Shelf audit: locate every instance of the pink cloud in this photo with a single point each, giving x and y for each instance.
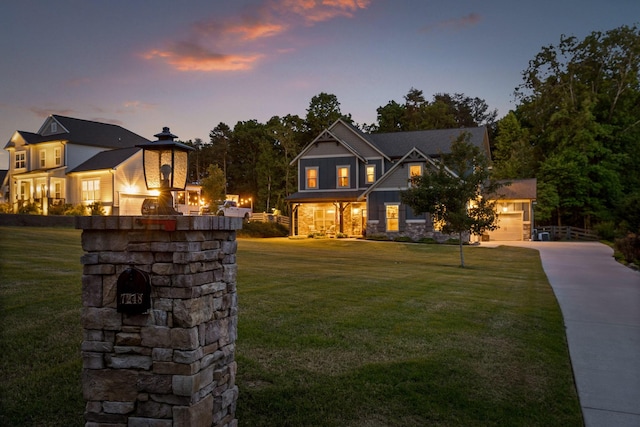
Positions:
(231, 45)
(457, 23)
(314, 11)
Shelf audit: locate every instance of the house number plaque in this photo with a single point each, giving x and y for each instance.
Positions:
(133, 292)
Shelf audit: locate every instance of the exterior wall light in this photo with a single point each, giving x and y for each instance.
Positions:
(165, 164)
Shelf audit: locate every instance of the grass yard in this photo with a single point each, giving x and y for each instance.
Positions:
(331, 333)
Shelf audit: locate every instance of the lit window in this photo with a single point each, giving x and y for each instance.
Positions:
(43, 158)
(57, 154)
(312, 177)
(20, 160)
(392, 217)
(90, 190)
(343, 176)
(57, 190)
(371, 174)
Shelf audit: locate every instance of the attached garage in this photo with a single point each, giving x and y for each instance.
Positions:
(131, 204)
(510, 227)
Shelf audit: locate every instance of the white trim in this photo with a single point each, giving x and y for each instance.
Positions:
(416, 221)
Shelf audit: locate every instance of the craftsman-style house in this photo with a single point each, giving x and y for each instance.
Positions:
(350, 182)
(71, 161)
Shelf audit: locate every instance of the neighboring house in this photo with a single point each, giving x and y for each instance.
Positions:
(350, 182)
(68, 162)
(72, 161)
(4, 186)
(515, 210)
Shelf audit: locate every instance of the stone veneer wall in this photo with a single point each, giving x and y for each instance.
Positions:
(174, 366)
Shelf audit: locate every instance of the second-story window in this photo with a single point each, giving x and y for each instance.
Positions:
(343, 176)
(43, 158)
(57, 154)
(311, 178)
(371, 174)
(21, 160)
(414, 171)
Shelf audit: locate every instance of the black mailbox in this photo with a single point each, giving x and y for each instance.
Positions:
(134, 292)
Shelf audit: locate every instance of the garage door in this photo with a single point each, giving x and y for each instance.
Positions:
(510, 227)
(131, 204)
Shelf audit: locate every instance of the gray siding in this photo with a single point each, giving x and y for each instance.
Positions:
(327, 149)
(327, 171)
(354, 141)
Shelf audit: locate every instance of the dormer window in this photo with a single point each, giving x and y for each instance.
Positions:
(54, 127)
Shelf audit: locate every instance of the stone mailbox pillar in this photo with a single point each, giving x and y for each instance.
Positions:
(166, 362)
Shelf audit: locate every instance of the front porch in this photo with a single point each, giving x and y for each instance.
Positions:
(331, 219)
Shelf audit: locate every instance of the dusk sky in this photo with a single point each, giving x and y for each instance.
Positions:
(190, 65)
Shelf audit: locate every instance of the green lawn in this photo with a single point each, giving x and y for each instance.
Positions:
(331, 333)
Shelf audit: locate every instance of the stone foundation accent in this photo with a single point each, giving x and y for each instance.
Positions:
(414, 230)
(175, 365)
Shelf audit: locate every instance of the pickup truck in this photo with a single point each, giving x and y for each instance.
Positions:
(230, 208)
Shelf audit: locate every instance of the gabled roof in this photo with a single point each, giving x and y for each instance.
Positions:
(106, 160)
(407, 157)
(29, 138)
(431, 142)
(326, 136)
(84, 132)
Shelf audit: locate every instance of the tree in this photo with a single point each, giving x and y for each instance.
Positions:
(513, 153)
(456, 192)
(213, 185)
(286, 135)
(324, 109)
(580, 102)
(219, 138)
(444, 112)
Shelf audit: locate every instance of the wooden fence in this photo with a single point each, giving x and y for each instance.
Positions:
(567, 233)
(265, 217)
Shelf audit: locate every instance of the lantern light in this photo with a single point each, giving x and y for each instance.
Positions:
(165, 163)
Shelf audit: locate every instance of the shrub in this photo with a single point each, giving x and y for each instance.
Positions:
(29, 208)
(629, 247)
(96, 208)
(77, 210)
(381, 237)
(59, 209)
(428, 240)
(263, 229)
(5, 208)
(606, 230)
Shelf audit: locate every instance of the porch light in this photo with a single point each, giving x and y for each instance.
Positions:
(165, 164)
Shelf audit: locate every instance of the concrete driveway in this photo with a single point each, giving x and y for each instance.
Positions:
(600, 303)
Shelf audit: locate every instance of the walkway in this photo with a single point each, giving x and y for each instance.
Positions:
(600, 303)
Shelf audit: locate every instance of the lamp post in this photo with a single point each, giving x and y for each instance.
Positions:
(165, 163)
